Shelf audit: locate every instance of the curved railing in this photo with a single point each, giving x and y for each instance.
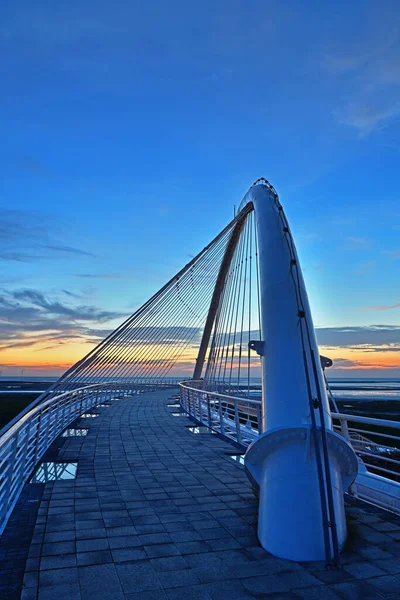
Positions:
(237, 418)
(375, 441)
(24, 443)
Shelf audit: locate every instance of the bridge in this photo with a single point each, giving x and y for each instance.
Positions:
(122, 482)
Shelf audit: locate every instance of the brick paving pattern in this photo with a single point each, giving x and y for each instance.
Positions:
(159, 513)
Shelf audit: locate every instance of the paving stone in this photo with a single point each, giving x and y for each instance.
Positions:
(316, 593)
(161, 550)
(185, 536)
(100, 583)
(152, 595)
(124, 541)
(58, 576)
(31, 579)
(363, 570)
(192, 547)
(138, 577)
(94, 533)
(180, 578)
(170, 563)
(357, 590)
(58, 562)
(389, 565)
(234, 590)
(92, 544)
(265, 584)
(26, 594)
(195, 592)
(128, 554)
(98, 557)
(388, 585)
(298, 579)
(66, 591)
(60, 536)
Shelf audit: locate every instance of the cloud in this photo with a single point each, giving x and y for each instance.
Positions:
(356, 243)
(17, 257)
(371, 74)
(27, 236)
(72, 294)
(348, 364)
(100, 275)
(382, 308)
(394, 254)
(28, 318)
(68, 249)
(347, 62)
(79, 313)
(366, 117)
(367, 336)
(365, 268)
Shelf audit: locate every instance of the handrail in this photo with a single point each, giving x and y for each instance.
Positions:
(368, 420)
(239, 419)
(53, 394)
(255, 402)
(39, 408)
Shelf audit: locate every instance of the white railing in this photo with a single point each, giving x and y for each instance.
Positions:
(237, 418)
(25, 441)
(375, 441)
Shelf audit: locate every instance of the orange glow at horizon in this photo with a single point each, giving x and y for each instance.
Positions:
(360, 359)
(54, 360)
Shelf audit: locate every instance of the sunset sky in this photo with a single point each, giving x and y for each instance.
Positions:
(131, 129)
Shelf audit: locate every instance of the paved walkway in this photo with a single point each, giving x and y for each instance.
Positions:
(159, 513)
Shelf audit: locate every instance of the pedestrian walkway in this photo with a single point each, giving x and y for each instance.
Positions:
(157, 512)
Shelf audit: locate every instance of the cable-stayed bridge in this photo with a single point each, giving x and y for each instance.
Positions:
(238, 312)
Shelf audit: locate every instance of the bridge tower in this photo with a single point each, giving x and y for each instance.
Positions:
(301, 466)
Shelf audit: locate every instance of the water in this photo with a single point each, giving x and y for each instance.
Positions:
(365, 390)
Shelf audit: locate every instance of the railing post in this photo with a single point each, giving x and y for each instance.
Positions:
(237, 422)
(209, 412)
(259, 419)
(221, 416)
(344, 429)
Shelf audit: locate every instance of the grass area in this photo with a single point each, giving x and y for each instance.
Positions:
(12, 404)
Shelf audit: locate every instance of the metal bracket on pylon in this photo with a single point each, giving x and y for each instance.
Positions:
(258, 346)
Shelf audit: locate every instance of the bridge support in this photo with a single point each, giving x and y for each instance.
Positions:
(300, 464)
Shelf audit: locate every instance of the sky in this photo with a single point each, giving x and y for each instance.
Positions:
(131, 129)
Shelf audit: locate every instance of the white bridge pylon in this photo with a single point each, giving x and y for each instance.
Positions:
(302, 467)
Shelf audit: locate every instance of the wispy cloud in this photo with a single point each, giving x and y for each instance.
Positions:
(383, 308)
(394, 254)
(27, 236)
(365, 268)
(68, 249)
(352, 336)
(372, 73)
(355, 364)
(29, 318)
(101, 275)
(366, 117)
(357, 243)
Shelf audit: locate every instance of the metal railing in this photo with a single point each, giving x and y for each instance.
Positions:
(237, 418)
(375, 441)
(27, 438)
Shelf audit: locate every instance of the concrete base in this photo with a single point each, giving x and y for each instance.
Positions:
(290, 519)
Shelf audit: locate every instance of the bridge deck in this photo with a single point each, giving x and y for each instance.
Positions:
(158, 513)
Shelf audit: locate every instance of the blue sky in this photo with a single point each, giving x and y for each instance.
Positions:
(131, 129)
